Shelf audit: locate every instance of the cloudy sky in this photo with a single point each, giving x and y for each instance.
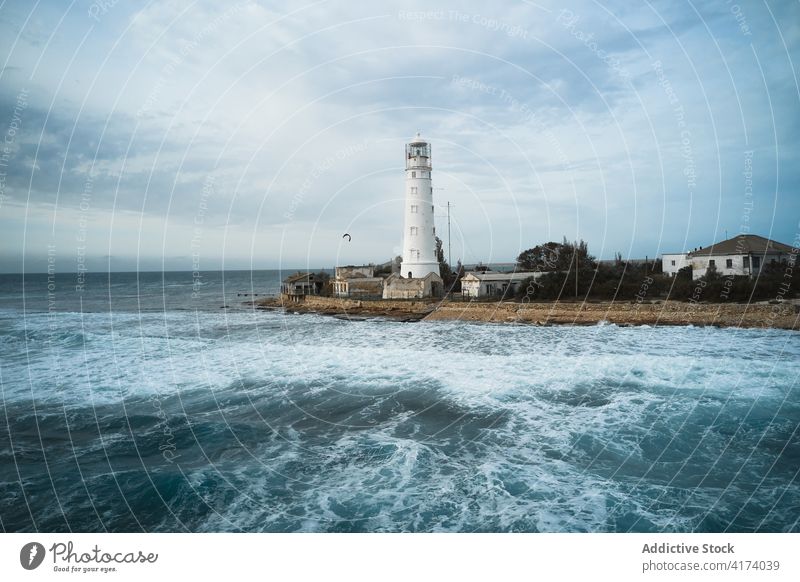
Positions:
(255, 133)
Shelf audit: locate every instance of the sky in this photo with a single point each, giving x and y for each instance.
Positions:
(235, 135)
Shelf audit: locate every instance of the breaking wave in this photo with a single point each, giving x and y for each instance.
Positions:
(256, 421)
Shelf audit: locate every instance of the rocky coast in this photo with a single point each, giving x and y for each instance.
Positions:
(784, 315)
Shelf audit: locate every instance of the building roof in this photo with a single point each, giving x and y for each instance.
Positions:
(743, 244)
(496, 267)
(361, 280)
(354, 272)
(493, 276)
(397, 276)
(298, 277)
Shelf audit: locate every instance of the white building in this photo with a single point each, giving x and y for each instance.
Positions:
(742, 255)
(492, 284)
(419, 234)
(671, 263)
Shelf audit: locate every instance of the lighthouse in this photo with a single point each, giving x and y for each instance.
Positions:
(419, 234)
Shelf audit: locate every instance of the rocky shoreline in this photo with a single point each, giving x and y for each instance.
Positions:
(785, 315)
(354, 309)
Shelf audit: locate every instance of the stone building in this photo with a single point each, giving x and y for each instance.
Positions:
(358, 282)
(493, 284)
(297, 286)
(397, 287)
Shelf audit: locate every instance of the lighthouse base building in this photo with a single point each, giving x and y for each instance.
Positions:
(397, 287)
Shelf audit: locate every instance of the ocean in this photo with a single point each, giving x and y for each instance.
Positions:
(157, 402)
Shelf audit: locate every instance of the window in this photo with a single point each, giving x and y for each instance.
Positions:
(431, 207)
(414, 231)
(756, 262)
(434, 231)
(413, 174)
(712, 263)
(414, 209)
(746, 262)
(673, 263)
(729, 263)
(413, 189)
(414, 254)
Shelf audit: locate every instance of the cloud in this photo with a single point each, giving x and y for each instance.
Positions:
(572, 119)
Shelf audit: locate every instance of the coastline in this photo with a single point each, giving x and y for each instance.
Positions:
(784, 315)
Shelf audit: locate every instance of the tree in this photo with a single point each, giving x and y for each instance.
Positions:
(540, 258)
(584, 258)
(528, 289)
(458, 273)
(685, 273)
(553, 256)
(450, 279)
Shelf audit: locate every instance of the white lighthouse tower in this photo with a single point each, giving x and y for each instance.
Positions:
(419, 236)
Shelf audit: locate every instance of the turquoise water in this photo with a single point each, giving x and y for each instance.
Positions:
(159, 414)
